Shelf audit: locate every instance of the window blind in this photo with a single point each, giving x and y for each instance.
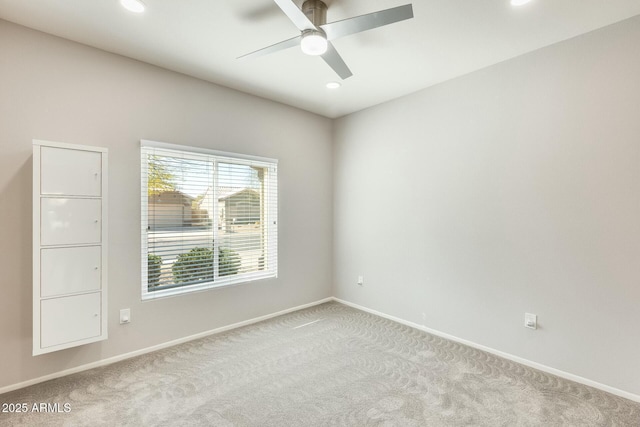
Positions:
(209, 219)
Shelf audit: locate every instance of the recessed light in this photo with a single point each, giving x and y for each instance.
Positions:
(519, 2)
(136, 6)
(333, 85)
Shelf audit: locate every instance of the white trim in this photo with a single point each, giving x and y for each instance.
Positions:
(522, 361)
(146, 350)
(39, 142)
(104, 268)
(241, 279)
(182, 148)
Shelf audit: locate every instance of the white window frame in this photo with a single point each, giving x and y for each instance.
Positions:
(271, 218)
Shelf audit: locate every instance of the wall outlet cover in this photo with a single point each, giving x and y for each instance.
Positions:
(125, 316)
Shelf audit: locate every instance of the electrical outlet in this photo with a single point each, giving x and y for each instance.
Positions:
(424, 318)
(530, 321)
(125, 316)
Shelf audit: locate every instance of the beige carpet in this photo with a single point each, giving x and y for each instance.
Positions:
(347, 368)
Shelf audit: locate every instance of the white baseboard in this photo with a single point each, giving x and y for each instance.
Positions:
(531, 364)
(535, 365)
(146, 350)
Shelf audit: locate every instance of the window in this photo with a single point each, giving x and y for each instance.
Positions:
(209, 219)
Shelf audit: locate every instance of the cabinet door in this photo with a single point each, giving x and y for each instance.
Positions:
(67, 319)
(70, 172)
(70, 221)
(70, 270)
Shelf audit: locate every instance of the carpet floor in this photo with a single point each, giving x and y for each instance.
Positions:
(328, 365)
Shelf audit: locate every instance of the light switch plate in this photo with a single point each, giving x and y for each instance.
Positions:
(530, 321)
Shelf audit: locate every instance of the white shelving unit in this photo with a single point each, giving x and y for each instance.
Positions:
(69, 245)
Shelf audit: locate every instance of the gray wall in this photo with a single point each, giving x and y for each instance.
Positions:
(512, 189)
(57, 90)
(515, 188)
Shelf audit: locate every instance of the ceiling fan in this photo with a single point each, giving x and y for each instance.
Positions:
(316, 34)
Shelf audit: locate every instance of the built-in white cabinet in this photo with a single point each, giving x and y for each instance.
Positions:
(65, 221)
(69, 245)
(70, 320)
(86, 179)
(70, 270)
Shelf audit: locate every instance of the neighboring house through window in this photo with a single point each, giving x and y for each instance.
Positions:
(209, 219)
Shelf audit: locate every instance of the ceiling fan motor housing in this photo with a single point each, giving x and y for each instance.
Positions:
(316, 11)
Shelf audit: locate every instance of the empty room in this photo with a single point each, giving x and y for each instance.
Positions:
(310, 213)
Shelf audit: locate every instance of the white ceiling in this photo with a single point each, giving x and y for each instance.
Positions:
(203, 38)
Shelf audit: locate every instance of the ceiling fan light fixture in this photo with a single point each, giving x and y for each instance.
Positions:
(519, 2)
(135, 6)
(313, 42)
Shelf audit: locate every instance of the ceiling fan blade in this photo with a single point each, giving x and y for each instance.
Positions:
(334, 60)
(285, 44)
(296, 15)
(367, 22)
